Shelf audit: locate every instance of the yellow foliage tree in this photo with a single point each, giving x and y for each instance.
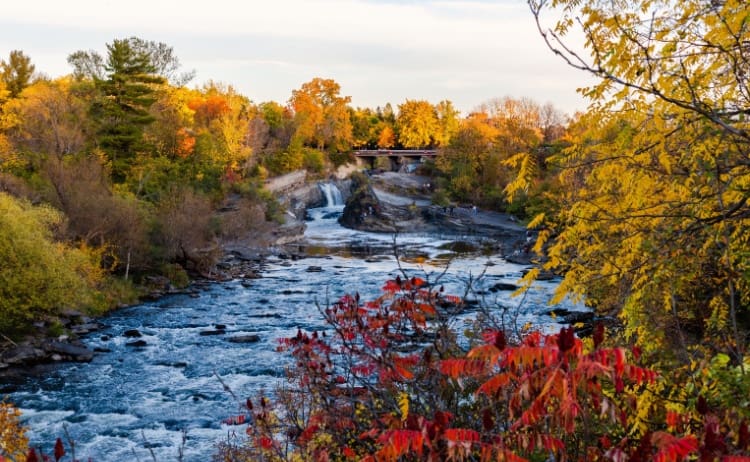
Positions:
(417, 124)
(51, 118)
(655, 213)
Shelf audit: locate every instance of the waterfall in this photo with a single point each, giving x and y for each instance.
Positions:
(332, 194)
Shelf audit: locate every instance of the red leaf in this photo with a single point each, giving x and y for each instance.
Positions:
(392, 286)
(59, 450)
(31, 456)
(461, 435)
(673, 449)
(265, 442)
(598, 334)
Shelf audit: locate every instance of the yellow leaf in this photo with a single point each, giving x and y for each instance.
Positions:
(403, 405)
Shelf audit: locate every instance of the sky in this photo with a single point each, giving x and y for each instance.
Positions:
(378, 51)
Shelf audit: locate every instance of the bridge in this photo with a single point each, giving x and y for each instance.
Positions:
(397, 157)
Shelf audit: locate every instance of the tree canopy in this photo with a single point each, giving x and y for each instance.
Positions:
(655, 213)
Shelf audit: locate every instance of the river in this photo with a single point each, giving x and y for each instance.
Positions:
(130, 401)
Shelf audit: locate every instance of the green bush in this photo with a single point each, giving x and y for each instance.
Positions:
(313, 160)
(39, 275)
(176, 274)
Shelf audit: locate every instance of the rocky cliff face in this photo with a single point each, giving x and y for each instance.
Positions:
(363, 209)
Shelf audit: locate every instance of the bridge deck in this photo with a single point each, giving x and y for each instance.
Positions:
(395, 153)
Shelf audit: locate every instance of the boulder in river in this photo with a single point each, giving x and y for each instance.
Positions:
(206, 333)
(501, 286)
(250, 338)
(137, 344)
(76, 352)
(82, 329)
(132, 333)
(22, 354)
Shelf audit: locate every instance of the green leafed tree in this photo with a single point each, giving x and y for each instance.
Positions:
(127, 92)
(17, 72)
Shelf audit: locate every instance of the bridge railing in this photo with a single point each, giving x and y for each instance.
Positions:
(395, 152)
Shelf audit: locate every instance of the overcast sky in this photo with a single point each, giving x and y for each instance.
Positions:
(378, 51)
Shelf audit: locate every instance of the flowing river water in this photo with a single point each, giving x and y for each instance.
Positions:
(129, 402)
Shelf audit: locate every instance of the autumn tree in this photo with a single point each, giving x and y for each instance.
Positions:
(417, 124)
(79, 186)
(270, 128)
(321, 115)
(50, 118)
(471, 162)
(221, 125)
(183, 230)
(364, 121)
(17, 72)
(448, 122)
(171, 134)
(386, 136)
(655, 216)
(503, 137)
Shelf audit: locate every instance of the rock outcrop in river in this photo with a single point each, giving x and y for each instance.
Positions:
(399, 210)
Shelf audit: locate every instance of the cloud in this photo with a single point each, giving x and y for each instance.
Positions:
(377, 50)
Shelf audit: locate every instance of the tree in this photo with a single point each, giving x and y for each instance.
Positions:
(172, 133)
(40, 276)
(448, 122)
(321, 115)
(222, 119)
(183, 230)
(653, 223)
(95, 215)
(122, 112)
(471, 161)
(17, 72)
(386, 136)
(87, 65)
(90, 64)
(417, 124)
(51, 118)
(552, 123)
(364, 123)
